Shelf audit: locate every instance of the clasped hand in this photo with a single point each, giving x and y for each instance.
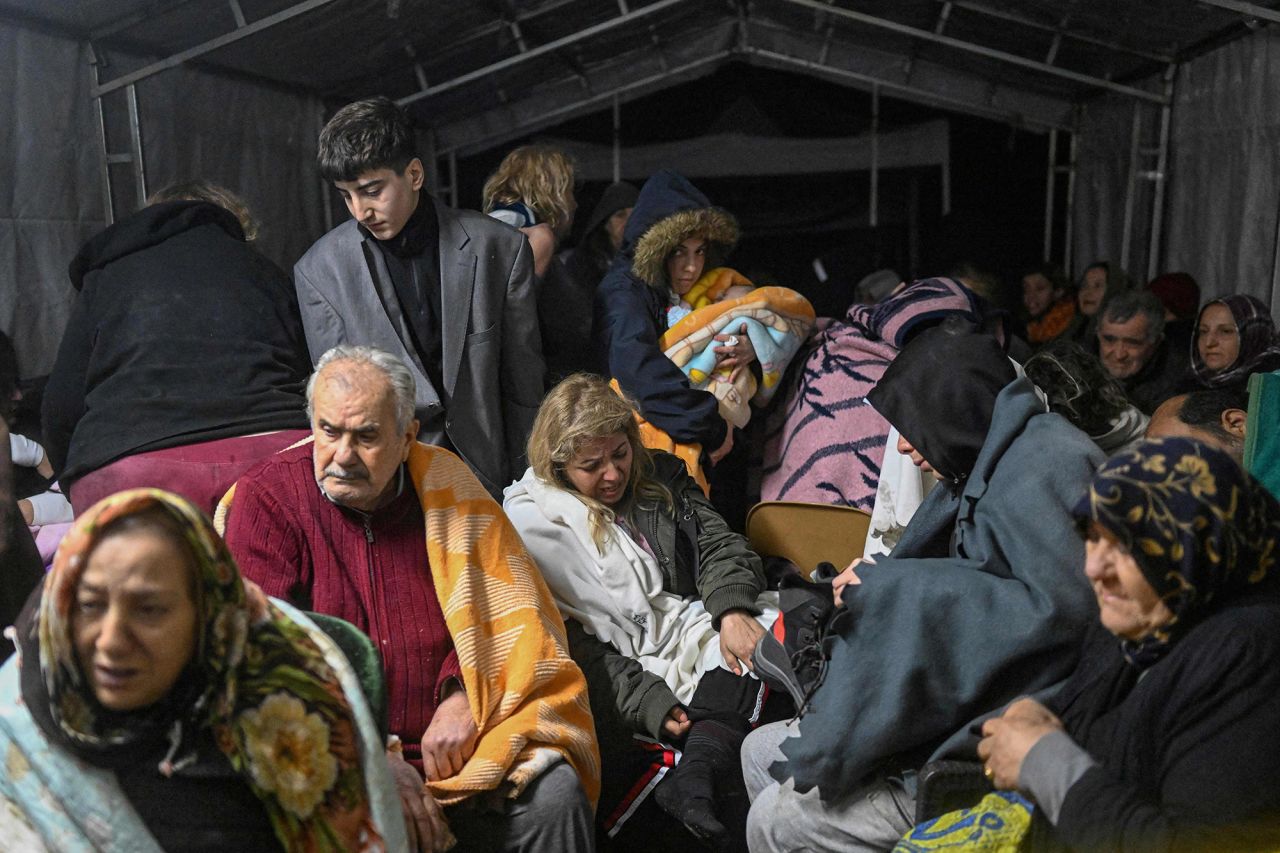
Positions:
(1008, 738)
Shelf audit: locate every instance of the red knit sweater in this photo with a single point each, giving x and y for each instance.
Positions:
(372, 572)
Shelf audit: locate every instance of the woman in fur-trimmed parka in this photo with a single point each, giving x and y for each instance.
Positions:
(632, 301)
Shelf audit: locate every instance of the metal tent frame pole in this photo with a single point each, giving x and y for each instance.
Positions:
(1161, 176)
(1131, 185)
(970, 47)
(1050, 179)
(617, 138)
(873, 214)
(241, 31)
(133, 157)
(540, 50)
(1069, 247)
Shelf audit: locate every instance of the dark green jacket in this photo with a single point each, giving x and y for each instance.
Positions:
(624, 697)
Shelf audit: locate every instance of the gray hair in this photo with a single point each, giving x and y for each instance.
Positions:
(1124, 306)
(403, 388)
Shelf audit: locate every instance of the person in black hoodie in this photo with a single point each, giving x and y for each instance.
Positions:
(631, 311)
(183, 347)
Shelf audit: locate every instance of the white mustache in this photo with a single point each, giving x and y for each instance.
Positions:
(340, 473)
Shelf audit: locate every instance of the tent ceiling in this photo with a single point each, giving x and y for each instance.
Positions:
(482, 71)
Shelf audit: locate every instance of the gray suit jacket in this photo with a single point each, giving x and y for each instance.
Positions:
(493, 368)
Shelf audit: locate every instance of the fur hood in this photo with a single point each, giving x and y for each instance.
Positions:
(668, 210)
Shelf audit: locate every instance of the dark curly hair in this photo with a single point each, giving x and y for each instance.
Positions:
(1077, 385)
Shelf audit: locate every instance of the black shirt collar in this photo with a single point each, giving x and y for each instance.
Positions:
(416, 233)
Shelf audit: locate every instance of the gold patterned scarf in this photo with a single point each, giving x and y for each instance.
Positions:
(257, 681)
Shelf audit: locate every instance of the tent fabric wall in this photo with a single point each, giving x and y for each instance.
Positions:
(256, 140)
(1224, 201)
(50, 193)
(1222, 207)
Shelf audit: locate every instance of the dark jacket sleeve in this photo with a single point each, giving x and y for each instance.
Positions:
(64, 393)
(1211, 765)
(630, 344)
(19, 559)
(523, 368)
(621, 690)
(730, 574)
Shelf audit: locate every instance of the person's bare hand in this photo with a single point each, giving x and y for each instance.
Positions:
(738, 354)
(27, 510)
(846, 578)
(1008, 738)
(723, 450)
(450, 737)
(739, 633)
(424, 819)
(676, 724)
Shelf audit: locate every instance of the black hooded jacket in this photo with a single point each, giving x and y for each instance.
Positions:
(630, 307)
(181, 333)
(940, 393)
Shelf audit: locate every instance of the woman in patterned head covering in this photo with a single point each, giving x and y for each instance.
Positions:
(163, 705)
(1234, 337)
(1167, 736)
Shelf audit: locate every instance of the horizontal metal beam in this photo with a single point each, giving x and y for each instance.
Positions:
(980, 50)
(1015, 18)
(207, 47)
(908, 92)
(549, 47)
(547, 118)
(1251, 10)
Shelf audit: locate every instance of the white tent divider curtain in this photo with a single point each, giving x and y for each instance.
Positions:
(1222, 204)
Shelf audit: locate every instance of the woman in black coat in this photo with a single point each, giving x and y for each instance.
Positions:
(184, 346)
(1167, 736)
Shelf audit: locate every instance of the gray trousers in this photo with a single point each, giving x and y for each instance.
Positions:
(873, 817)
(549, 816)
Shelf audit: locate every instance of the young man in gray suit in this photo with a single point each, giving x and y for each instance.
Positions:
(448, 291)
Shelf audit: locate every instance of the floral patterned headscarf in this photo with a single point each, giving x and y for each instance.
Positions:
(257, 680)
(1259, 345)
(1201, 529)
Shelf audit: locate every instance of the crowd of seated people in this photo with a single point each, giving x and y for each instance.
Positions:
(343, 563)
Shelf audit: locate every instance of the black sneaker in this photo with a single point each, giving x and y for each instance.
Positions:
(772, 665)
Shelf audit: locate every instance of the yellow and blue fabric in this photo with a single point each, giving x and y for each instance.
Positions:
(995, 825)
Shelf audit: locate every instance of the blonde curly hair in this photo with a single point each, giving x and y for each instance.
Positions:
(542, 177)
(581, 409)
(208, 191)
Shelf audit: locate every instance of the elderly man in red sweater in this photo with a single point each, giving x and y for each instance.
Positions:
(336, 525)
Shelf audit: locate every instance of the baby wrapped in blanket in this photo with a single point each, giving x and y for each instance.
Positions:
(776, 319)
(724, 304)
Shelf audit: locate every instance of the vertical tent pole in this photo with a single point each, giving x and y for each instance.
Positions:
(1050, 180)
(617, 138)
(325, 197)
(453, 178)
(135, 139)
(1131, 186)
(108, 204)
(873, 215)
(1069, 248)
(1161, 175)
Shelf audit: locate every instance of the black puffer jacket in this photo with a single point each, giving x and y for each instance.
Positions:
(630, 307)
(182, 333)
(719, 568)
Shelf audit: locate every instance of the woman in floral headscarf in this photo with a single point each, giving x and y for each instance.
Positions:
(1234, 337)
(158, 704)
(1168, 739)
